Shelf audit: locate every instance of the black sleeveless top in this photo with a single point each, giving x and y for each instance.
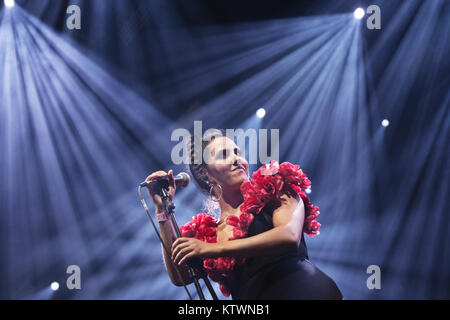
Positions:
(289, 275)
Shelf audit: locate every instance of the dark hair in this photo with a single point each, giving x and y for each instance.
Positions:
(200, 171)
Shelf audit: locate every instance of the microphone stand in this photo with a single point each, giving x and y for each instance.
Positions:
(195, 268)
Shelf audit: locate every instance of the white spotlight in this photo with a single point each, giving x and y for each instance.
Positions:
(385, 123)
(261, 113)
(359, 13)
(9, 3)
(54, 286)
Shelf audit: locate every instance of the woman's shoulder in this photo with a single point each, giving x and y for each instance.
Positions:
(271, 183)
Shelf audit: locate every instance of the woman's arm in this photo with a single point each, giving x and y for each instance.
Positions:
(286, 235)
(167, 230)
(169, 236)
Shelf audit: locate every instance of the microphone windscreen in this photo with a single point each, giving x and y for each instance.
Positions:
(184, 180)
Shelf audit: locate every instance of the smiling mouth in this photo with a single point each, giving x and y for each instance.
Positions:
(240, 168)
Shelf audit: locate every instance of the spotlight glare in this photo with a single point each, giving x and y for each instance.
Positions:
(54, 286)
(358, 13)
(9, 3)
(385, 123)
(261, 113)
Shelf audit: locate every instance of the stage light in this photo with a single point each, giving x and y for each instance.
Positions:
(9, 3)
(261, 113)
(62, 71)
(385, 123)
(358, 13)
(54, 286)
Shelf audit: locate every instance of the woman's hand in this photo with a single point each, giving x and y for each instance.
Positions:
(153, 190)
(186, 248)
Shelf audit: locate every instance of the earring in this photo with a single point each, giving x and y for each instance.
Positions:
(210, 193)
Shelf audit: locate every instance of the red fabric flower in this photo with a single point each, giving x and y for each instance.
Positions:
(202, 227)
(238, 233)
(232, 221)
(253, 203)
(245, 219)
(270, 182)
(266, 187)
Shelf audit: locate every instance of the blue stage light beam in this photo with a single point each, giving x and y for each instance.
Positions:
(316, 82)
(74, 141)
(313, 77)
(9, 3)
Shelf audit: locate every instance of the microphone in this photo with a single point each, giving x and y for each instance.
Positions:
(181, 180)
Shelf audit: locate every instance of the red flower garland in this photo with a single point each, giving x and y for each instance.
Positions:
(270, 182)
(266, 187)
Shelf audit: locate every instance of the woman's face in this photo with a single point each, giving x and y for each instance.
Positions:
(225, 164)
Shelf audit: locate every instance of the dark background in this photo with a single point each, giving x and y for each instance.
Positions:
(399, 221)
